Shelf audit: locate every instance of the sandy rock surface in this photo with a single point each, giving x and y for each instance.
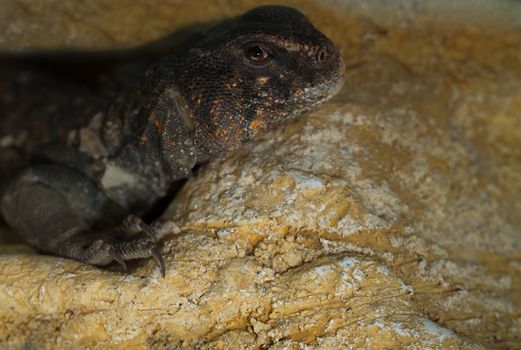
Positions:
(387, 218)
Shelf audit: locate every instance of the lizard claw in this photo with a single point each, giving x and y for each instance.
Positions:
(119, 259)
(156, 255)
(134, 225)
(149, 231)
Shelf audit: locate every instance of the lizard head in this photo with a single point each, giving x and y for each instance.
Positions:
(254, 73)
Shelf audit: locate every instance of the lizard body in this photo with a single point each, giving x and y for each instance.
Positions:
(84, 165)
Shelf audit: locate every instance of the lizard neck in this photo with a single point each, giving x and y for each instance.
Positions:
(152, 123)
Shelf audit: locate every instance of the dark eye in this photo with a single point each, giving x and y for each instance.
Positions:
(257, 54)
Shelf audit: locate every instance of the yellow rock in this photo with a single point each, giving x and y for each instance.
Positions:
(387, 219)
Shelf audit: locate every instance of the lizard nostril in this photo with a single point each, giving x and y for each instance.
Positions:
(321, 56)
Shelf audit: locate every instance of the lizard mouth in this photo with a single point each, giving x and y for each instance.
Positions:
(310, 98)
(320, 93)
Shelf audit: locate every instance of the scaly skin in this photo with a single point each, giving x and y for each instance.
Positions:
(86, 166)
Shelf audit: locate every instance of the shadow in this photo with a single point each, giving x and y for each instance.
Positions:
(88, 68)
(125, 65)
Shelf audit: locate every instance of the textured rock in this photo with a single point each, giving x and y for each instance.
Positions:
(388, 218)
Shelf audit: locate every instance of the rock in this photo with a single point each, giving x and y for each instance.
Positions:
(387, 218)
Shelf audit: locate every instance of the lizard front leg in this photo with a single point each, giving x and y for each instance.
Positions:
(55, 209)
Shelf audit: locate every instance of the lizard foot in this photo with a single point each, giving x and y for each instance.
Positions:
(140, 241)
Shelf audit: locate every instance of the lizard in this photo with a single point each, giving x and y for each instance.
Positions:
(88, 168)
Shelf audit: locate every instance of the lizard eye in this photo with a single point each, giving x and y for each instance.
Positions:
(256, 54)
